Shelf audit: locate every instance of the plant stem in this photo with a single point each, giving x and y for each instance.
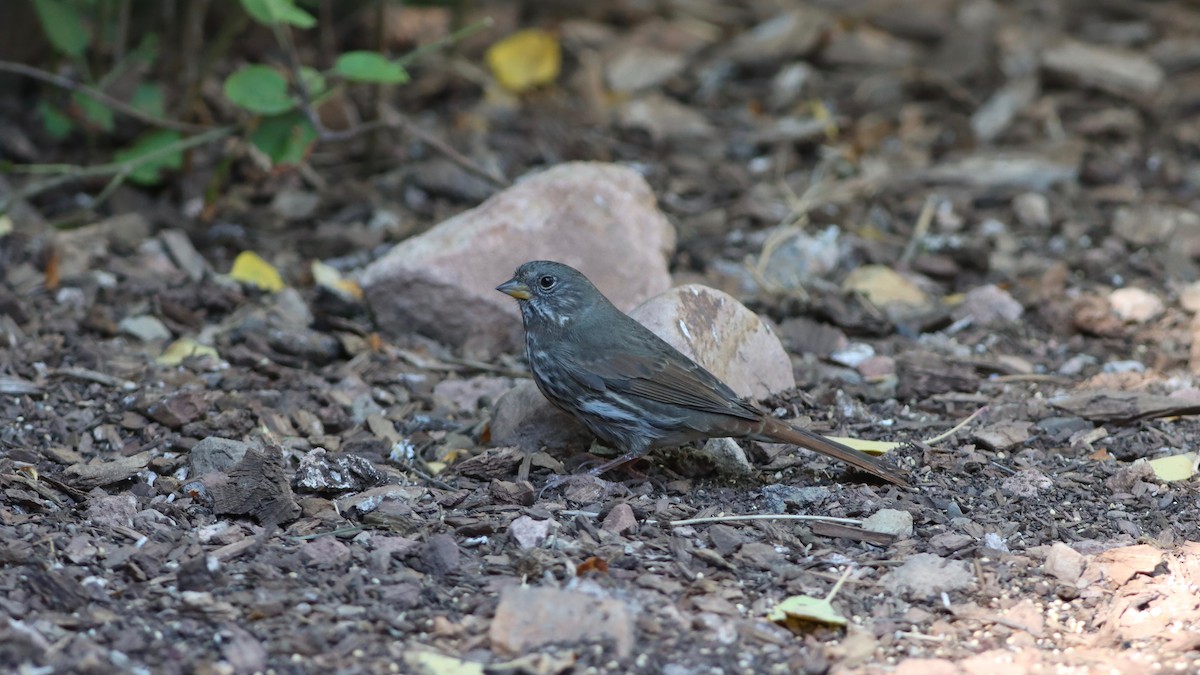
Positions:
(460, 34)
(119, 171)
(117, 105)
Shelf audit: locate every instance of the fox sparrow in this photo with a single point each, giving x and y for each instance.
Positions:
(627, 385)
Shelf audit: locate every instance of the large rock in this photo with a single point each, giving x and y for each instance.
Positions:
(715, 330)
(710, 327)
(599, 218)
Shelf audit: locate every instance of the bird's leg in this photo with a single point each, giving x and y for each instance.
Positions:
(614, 463)
(638, 449)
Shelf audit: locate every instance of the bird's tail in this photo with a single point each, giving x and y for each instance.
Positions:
(777, 430)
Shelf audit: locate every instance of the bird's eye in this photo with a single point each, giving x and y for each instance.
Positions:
(547, 282)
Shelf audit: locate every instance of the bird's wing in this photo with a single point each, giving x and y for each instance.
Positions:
(661, 379)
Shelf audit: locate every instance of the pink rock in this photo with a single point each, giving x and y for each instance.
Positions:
(721, 334)
(620, 519)
(599, 218)
(528, 618)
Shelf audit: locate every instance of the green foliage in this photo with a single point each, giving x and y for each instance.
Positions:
(259, 89)
(362, 66)
(272, 12)
(150, 99)
(64, 26)
(286, 138)
(157, 141)
(94, 111)
(281, 98)
(57, 124)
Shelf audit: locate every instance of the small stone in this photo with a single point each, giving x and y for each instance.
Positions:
(779, 497)
(949, 542)
(1189, 297)
(467, 396)
(1117, 71)
(853, 354)
(1134, 305)
(1064, 563)
(637, 67)
(112, 510)
(876, 367)
(1032, 209)
(439, 556)
(1147, 224)
(295, 204)
(786, 36)
(663, 118)
(325, 552)
(989, 305)
(803, 257)
(1003, 435)
(924, 574)
(890, 521)
(728, 456)
(529, 533)
(528, 618)
(620, 519)
(185, 255)
(1026, 484)
(145, 328)
(215, 454)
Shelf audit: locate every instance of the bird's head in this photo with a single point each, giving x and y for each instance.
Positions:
(550, 293)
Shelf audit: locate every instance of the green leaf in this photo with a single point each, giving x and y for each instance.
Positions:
(314, 81)
(271, 12)
(150, 172)
(259, 89)
(149, 98)
(286, 139)
(63, 26)
(364, 66)
(58, 125)
(146, 52)
(94, 111)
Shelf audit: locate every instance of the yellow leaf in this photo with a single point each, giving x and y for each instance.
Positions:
(183, 348)
(525, 59)
(329, 277)
(249, 268)
(796, 611)
(802, 608)
(430, 663)
(1175, 467)
(869, 447)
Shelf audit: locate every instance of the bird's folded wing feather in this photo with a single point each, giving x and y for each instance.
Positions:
(661, 380)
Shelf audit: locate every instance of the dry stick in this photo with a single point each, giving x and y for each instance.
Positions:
(919, 232)
(957, 427)
(116, 104)
(764, 516)
(118, 170)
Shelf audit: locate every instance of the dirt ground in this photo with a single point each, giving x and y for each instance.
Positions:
(1031, 168)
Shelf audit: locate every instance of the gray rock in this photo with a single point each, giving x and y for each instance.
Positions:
(215, 454)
